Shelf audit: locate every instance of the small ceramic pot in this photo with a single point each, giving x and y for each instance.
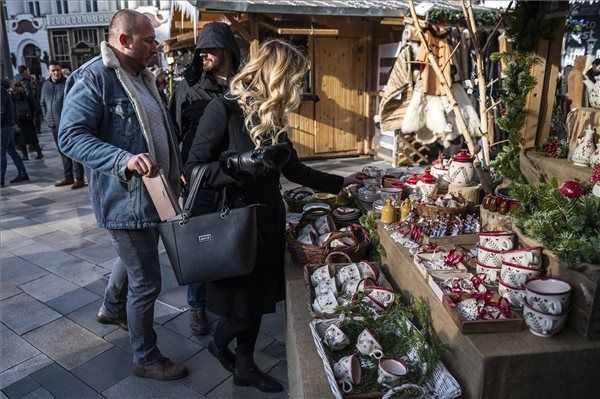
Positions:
(548, 295)
(543, 324)
(347, 372)
(491, 273)
(489, 257)
(526, 256)
(368, 270)
(498, 240)
(427, 184)
(516, 275)
(514, 295)
(460, 169)
(391, 371)
(335, 338)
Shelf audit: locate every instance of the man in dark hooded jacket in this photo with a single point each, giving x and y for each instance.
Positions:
(215, 61)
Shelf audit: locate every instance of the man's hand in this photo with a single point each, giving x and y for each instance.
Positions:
(355, 178)
(143, 165)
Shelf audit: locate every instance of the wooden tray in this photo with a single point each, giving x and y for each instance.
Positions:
(453, 241)
(483, 326)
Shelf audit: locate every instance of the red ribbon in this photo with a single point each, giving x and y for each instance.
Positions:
(453, 258)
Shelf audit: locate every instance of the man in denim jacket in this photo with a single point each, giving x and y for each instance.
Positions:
(114, 122)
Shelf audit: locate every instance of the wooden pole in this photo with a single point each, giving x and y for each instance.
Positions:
(483, 110)
(446, 89)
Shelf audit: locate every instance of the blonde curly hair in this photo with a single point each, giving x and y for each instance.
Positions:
(268, 88)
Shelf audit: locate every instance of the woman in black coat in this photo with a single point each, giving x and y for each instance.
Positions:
(242, 140)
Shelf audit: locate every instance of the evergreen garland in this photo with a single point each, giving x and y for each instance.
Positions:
(569, 227)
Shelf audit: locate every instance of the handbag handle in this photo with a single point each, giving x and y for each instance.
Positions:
(198, 174)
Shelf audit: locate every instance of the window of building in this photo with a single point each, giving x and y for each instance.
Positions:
(91, 5)
(34, 8)
(157, 4)
(62, 6)
(60, 49)
(121, 4)
(88, 36)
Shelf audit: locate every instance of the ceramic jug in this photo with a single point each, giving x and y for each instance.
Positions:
(585, 148)
(460, 169)
(427, 184)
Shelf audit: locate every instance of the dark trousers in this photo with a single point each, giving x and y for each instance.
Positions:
(7, 146)
(70, 167)
(244, 331)
(196, 296)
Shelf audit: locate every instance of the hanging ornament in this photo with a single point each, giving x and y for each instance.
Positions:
(571, 189)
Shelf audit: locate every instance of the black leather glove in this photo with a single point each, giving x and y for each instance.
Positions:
(277, 155)
(250, 162)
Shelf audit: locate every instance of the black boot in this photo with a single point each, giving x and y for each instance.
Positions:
(224, 356)
(199, 323)
(25, 155)
(247, 374)
(20, 178)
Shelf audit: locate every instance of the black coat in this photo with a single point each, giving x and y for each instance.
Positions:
(222, 129)
(51, 101)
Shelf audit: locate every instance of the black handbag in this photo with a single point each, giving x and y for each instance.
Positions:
(213, 246)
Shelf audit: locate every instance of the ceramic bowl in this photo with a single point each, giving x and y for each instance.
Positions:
(548, 295)
(543, 324)
(516, 275)
(498, 240)
(491, 273)
(524, 256)
(489, 257)
(514, 295)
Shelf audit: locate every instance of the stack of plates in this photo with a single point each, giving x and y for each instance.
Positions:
(368, 194)
(345, 216)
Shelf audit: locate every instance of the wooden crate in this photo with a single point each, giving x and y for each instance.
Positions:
(451, 241)
(483, 326)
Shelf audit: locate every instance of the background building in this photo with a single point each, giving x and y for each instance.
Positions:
(68, 31)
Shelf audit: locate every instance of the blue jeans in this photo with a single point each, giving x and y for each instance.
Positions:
(7, 146)
(138, 269)
(196, 296)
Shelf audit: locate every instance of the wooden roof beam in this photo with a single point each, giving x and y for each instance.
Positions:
(311, 31)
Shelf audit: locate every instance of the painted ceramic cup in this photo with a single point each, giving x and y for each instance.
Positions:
(320, 274)
(516, 275)
(347, 372)
(368, 271)
(524, 256)
(543, 324)
(514, 295)
(325, 303)
(498, 240)
(368, 345)
(383, 297)
(491, 273)
(468, 309)
(391, 370)
(335, 338)
(548, 295)
(489, 257)
(325, 286)
(349, 272)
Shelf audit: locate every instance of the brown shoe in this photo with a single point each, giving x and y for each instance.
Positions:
(63, 182)
(199, 323)
(163, 369)
(78, 184)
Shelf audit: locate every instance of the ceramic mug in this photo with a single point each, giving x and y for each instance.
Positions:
(524, 256)
(514, 295)
(516, 275)
(325, 303)
(368, 345)
(347, 372)
(498, 240)
(348, 272)
(489, 257)
(391, 370)
(368, 271)
(325, 286)
(335, 338)
(491, 273)
(320, 274)
(382, 296)
(542, 324)
(468, 309)
(548, 295)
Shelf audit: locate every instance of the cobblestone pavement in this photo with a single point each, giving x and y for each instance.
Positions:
(54, 264)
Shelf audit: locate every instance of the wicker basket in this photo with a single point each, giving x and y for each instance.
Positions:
(295, 205)
(431, 211)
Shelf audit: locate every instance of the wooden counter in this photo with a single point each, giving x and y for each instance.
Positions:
(503, 365)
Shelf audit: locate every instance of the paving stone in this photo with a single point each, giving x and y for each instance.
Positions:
(181, 324)
(86, 317)
(14, 270)
(206, 373)
(67, 343)
(40, 201)
(273, 324)
(12, 311)
(39, 393)
(24, 369)
(96, 253)
(3, 396)
(280, 371)
(7, 290)
(10, 239)
(176, 297)
(42, 255)
(77, 271)
(13, 349)
(276, 350)
(120, 338)
(62, 384)
(48, 287)
(142, 388)
(21, 388)
(228, 390)
(175, 346)
(164, 312)
(98, 286)
(97, 235)
(72, 301)
(105, 370)
(64, 241)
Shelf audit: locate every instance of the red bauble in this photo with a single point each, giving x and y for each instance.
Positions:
(571, 189)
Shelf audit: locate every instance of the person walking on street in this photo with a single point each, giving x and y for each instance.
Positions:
(114, 123)
(7, 139)
(242, 142)
(25, 110)
(51, 104)
(215, 61)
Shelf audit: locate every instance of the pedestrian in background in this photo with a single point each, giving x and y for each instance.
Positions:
(51, 104)
(25, 109)
(7, 139)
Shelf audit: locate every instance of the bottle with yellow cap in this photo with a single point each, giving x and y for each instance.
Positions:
(388, 213)
(405, 209)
